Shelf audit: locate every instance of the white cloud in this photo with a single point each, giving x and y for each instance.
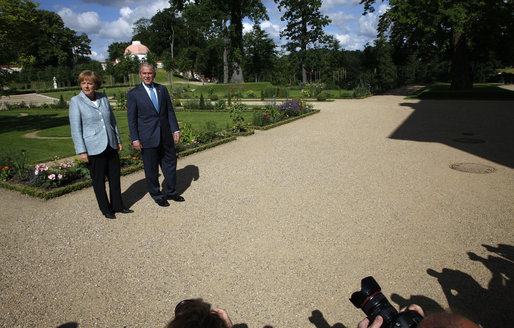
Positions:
(329, 4)
(247, 27)
(117, 3)
(88, 22)
(272, 29)
(351, 42)
(341, 19)
(369, 22)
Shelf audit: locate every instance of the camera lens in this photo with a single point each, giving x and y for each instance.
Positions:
(372, 302)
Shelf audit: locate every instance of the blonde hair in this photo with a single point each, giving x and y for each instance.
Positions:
(91, 76)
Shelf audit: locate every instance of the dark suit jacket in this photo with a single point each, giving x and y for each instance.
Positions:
(145, 124)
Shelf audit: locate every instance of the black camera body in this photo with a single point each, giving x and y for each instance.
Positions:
(371, 300)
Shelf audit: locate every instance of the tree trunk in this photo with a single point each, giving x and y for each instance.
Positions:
(172, 41)
(237, 73)
(461, 74)
(225, 63)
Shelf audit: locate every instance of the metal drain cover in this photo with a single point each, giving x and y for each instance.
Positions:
(472, 168)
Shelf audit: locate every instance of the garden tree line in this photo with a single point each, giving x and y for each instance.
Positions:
(439, 40)
(38, 41)
(38, 38)
(472, 37)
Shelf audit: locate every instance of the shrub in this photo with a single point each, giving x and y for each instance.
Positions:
(61, 103)
(52, 177)
(322, 96)
(121, 101)
(220, 105)
(213, 97)
(202, 101)
(14, 163)
(292, 107)
(237, 117)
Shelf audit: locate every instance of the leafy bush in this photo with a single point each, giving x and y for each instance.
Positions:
(237, 117)
(13, 163)
(292, 107)
(220, 105)
(121, 101)
(322, 96)
(53, 177)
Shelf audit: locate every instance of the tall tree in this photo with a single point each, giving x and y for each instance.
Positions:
(462, 30)
(259, 53)
(18, 21)
(116, 50)
(216, 14)
(304, 26)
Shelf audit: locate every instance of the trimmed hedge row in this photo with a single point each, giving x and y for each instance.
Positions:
(294, 118)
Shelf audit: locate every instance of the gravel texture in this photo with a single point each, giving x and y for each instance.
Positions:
(279, 227)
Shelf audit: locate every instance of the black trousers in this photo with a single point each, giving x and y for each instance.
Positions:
(106, 164)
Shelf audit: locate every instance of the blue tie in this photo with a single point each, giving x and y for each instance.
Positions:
(154, 99)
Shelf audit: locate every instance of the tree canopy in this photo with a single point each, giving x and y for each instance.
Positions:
(30, 36)
(466, 33)
(304, 26)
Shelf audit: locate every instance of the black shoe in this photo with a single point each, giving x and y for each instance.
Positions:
(176, 198)
(110, 215)
(162, 202)
(126, 211)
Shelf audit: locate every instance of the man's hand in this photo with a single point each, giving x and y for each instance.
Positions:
(176, 137)
(120, 147)
(137, 145)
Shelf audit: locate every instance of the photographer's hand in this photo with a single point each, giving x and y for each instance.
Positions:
(376, 323)
(224, 317)
(414, 307)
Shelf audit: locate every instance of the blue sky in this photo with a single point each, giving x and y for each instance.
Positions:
(108, 21)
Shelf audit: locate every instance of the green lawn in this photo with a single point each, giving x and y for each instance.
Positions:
(480, 91)
(55, 123)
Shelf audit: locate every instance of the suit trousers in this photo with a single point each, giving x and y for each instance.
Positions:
(165, 156)
(106, 164)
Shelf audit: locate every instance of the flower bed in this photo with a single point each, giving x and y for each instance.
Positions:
(48, 181)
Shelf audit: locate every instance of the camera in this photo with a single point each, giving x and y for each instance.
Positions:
(371, 300)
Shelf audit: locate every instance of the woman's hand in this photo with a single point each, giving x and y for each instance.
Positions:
(84, 158)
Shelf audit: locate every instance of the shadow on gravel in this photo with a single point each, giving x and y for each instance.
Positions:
(482, 128)
(319, 321)
(488, 307)
(138, 190)
(69, 325)
(185, 177)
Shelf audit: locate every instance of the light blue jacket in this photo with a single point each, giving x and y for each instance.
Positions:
(93, 128)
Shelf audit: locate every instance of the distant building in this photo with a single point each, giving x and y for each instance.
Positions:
(137, 49)
(10, 68)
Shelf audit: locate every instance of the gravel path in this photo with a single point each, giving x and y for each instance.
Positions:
(279, 227)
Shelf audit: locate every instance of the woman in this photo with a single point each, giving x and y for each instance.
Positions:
(97, 141)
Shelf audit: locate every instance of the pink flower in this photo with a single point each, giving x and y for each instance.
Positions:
(36, 172)
(59, 176)
(51, 176)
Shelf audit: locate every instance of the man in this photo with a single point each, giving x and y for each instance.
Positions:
(153, 130)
